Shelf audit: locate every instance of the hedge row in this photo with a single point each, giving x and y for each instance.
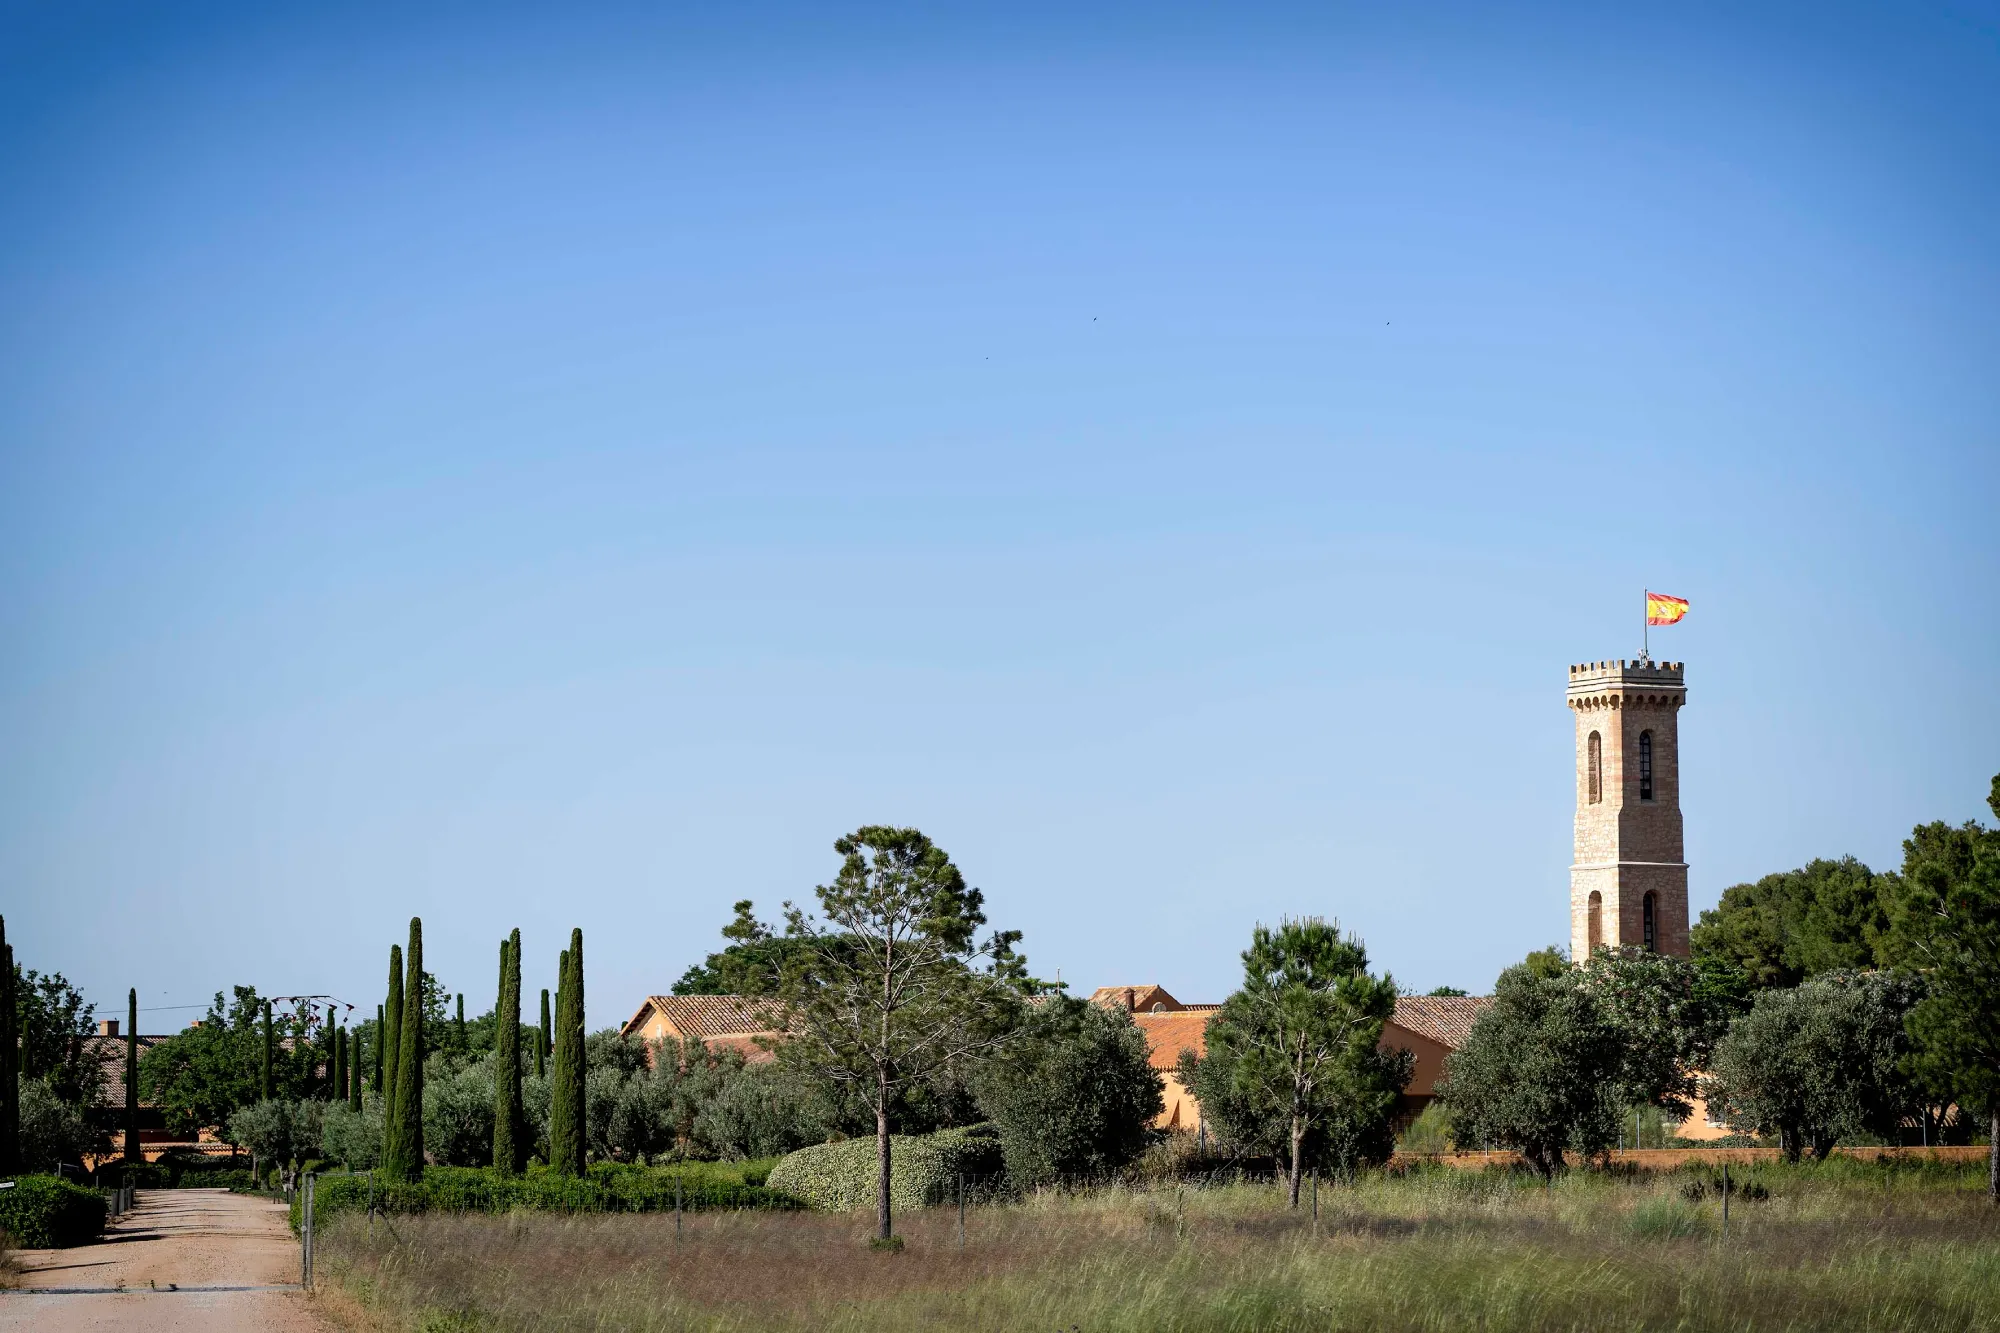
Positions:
(923, 1171)
(171, 1173)
(469, 1189)
(47, 1212)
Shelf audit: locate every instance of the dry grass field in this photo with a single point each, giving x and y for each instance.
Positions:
(1847, 1245)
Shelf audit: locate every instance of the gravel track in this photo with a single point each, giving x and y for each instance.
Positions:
(180, 1260)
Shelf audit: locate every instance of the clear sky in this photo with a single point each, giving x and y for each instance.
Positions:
(550, 469)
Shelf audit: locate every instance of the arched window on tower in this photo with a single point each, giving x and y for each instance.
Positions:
(1594, 929)
(1596, 766)
(1645, 765)
(1647, 915)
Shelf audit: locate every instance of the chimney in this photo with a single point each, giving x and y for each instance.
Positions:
(107, 1027)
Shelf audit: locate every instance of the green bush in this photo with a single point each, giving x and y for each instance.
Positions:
(139, 1175)
(923, 1171)
(606, 1189)
(46, 1212)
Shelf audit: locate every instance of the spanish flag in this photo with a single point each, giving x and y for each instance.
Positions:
(1664, 610)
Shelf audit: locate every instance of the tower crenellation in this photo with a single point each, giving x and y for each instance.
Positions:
(1628, 883)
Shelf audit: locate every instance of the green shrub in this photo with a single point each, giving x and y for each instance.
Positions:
(608, 1188)
(139, 1175)
(46, 1212)
(236, 1178)
(834, 1177)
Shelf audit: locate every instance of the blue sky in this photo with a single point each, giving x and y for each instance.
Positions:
(535, 469)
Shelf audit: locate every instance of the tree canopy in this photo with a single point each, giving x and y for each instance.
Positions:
(1816, 1062)
(1668, 1023)
(53, 1018)
(1826, 916)
(1294, 1061)
(1947, 925)
(199, 1077)
(1074, 1095)
(1541, 1070)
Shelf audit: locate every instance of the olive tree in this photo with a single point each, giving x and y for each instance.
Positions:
(1818, 1062)
(1074, 1096)
(1540, 1071)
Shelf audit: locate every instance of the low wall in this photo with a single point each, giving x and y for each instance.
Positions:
(1666, 1159)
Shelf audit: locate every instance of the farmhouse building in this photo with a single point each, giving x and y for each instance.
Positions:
(718, 1022)
(1429, 1027)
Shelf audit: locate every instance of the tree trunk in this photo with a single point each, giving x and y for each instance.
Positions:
(1298, 1144)
(882, 1156)
(1993, 1155)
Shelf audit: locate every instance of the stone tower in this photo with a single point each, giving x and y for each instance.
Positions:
(1629, 884)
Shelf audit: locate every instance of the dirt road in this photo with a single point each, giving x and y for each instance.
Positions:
(180, 1260)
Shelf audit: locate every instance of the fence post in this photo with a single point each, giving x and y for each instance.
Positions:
(961, 1208)
(1315, 1179)
(306, 1230)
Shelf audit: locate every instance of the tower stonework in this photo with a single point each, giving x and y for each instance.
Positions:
(1628, 884)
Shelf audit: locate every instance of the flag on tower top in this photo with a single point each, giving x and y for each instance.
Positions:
(1664, 610)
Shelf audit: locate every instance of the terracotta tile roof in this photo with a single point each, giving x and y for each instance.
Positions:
(1171, 1033)
(110, 1053)
(705, 1016)
(1445, 1019)
(1136, 999)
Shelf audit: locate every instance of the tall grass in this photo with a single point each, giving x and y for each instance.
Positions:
(1852, 1246)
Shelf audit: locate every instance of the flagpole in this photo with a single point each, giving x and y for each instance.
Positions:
(1645, 629)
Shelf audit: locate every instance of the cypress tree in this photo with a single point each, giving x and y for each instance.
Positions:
(403, 1153)
(566, 1111)
(379, 1029)
(558, 1104)
(10, 1061)
(458, 1026)
(509, 1124)
(337, 1067)
(392, 1032)
(132, 1076)
(269, 1046)
(542, 1038)
(354, 1072)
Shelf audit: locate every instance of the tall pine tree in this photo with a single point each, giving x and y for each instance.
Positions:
(403, 1129)
(566, 1111)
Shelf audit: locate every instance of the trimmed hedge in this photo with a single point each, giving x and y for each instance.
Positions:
(923, 1171)
(47, 1212)
(471, 1189)
(173, 1172)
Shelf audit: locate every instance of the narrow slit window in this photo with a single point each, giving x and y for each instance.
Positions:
(1594, 929)
(1645, 765)
(1596, 767)
(1647, 914)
